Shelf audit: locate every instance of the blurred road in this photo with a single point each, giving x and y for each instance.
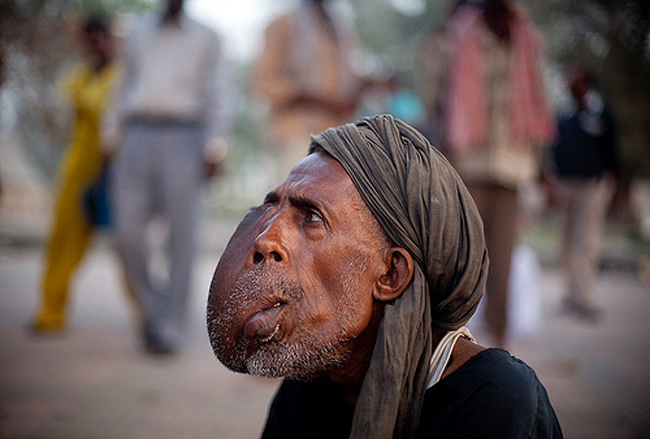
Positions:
(94, 382)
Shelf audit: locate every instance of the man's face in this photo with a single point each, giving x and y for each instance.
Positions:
(578, 82)
(97, 42)
(292, 293)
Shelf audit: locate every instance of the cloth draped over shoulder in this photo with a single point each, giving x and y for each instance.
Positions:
(424, 207)
(467, 121)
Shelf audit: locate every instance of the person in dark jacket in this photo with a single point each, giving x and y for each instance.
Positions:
(586, 151)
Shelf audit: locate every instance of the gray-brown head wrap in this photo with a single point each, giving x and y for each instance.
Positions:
(424, 207)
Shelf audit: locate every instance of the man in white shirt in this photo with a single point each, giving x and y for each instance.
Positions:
(169, 119)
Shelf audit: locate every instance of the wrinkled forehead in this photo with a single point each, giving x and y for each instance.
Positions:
(320, 180)
(319, 170)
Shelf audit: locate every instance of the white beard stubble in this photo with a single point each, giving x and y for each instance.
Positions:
(300, 358)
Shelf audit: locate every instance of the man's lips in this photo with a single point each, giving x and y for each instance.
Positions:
(263, 325)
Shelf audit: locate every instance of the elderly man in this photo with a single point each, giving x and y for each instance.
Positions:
(353, 279)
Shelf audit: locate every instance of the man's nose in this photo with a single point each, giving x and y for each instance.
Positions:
(270, 246)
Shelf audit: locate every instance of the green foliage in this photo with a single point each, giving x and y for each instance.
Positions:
(113, 6)
(16, 10)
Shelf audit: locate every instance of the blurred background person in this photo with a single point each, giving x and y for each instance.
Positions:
(495, 125)
(305, 73)
(170, 117)
(585, 153)
(432, 59)
(88, 88)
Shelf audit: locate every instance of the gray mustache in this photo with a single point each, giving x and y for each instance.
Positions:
(260, 283)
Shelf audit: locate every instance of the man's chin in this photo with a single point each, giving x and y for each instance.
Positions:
(286, 362)
(267, 365)
(281, 371)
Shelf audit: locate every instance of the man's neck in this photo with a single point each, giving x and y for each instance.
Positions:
(352, 380)
(499, 21)
(101, 63)
(172, 18)
(351, 376)
(325, 19)
(463, 351)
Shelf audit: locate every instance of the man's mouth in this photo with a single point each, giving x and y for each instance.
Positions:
(264, 325)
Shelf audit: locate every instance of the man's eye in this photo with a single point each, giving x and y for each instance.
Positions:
(314, 217)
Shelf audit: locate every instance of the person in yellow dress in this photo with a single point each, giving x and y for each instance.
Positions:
(88, 88)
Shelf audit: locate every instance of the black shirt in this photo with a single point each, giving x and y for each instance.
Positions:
(492, 395)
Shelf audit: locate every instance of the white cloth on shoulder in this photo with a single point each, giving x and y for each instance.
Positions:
(442, 353)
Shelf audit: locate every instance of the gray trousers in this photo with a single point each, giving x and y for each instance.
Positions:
(159, 172)
(583, 203)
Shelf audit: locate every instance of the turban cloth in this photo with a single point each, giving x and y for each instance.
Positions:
(424, 207)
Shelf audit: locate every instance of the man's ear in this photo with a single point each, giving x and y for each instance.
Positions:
(399, 272)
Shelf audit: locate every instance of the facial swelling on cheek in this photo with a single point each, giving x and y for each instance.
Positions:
(322, 323)
(256, 292)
